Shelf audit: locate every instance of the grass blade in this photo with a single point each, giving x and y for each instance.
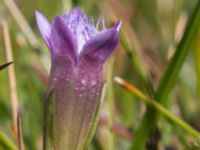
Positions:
(148, 123)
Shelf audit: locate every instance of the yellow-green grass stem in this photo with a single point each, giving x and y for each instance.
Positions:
(165, 112)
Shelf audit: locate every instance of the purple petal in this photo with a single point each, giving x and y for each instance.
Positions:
(44, 28)
(81, 27)
(118, 26)
(63, 42)
(74, 16)
(100, 46)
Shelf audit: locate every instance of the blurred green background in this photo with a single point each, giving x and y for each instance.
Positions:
(151, 31)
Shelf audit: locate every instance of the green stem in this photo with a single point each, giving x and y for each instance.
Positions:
(161, 109)
(197, 62)
(170, 116)
(134, 59)
(174, 119)
(6, 143)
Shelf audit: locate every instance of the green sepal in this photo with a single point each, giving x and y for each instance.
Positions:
(48, 126)
(96, 117)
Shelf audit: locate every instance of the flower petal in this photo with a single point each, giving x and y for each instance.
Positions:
(44, 28)
(62, 39)
(118, 26)
(100, 46)
(74, 16)
(81, 27)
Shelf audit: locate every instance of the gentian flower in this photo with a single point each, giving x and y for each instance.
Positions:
(78, 51)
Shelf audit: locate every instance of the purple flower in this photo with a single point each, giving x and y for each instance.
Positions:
(78, 51)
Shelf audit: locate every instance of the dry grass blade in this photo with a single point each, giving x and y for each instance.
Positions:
(11, 74)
